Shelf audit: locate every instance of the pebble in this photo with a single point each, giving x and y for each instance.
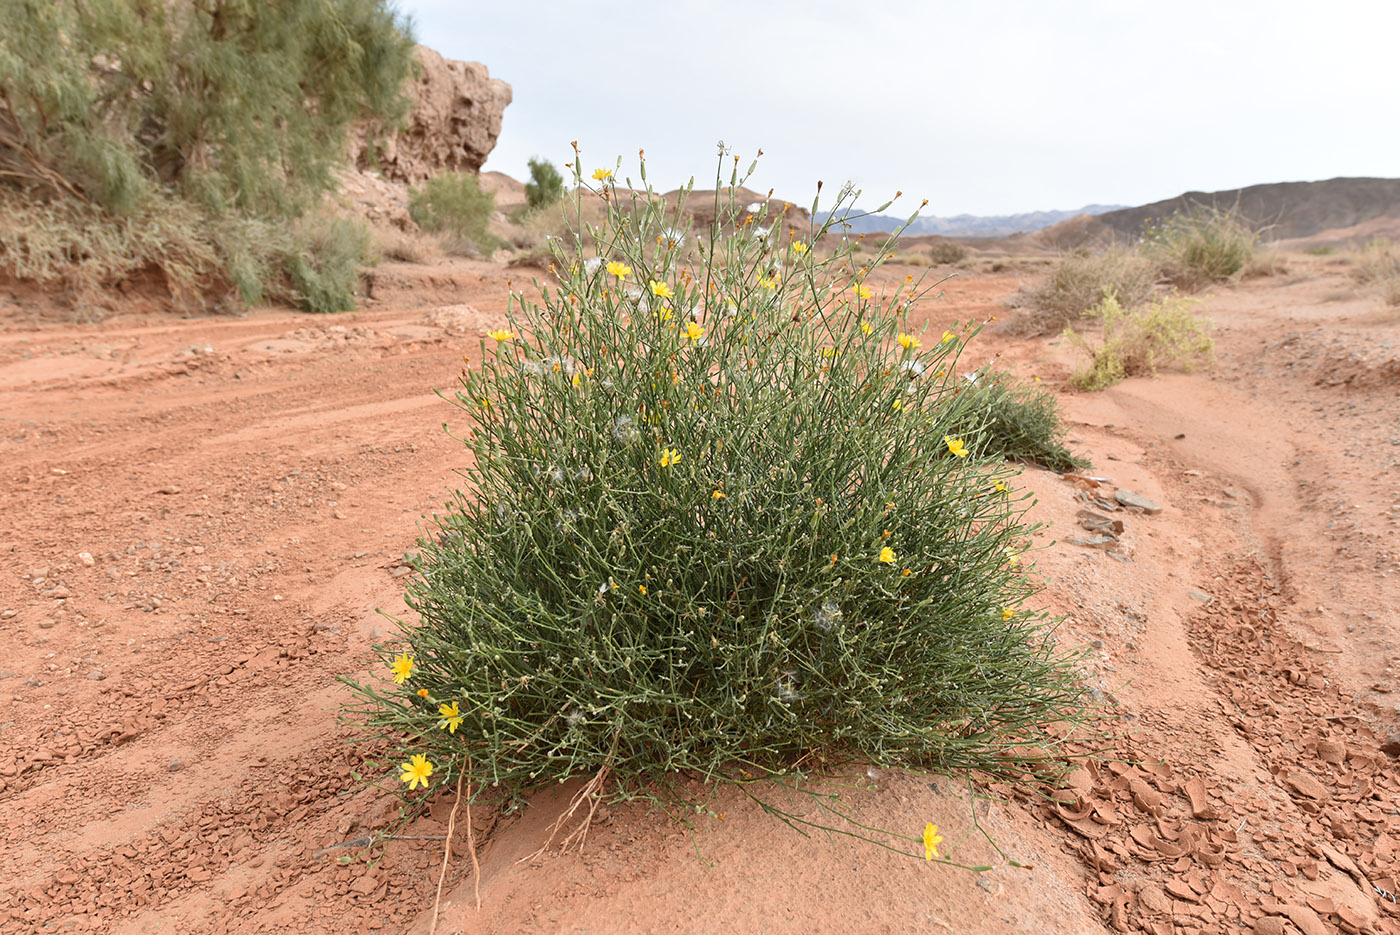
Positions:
(86, 558)
(175, 766)
(1136, 501)
(7, 614)
(1201, 596)
(1391, 745)
(1331, 751)
(97, 675)
(6, 674)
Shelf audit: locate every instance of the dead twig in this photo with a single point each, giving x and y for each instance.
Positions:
(446, 855)
(369, 839)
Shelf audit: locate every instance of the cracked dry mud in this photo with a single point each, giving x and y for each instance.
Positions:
(204, 516)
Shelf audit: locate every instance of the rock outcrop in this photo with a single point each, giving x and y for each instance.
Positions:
(453, 126)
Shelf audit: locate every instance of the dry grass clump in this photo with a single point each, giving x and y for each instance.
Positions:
(1139, 341)
(947, 252)
(1198, 248)
(1265, 264)
(1379, 265)
(1082, 280)
(407, 247)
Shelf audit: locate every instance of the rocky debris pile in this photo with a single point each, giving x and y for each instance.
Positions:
(1107, 531)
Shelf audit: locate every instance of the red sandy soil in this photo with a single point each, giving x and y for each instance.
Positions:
(203, 517)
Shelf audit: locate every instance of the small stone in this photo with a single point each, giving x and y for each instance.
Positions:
(6, 674)
(1201, 596)
(1331, 751)
(48, 624)
(87, 559)
(1305, 784)
(1391, 745)
(97, 675)
(1136, 501)
(338, 515)
(7, 614)
(175, 766)
(1094, 542)
(1270, 925)
(169, 489)
(1153, 899)
(1307, 921)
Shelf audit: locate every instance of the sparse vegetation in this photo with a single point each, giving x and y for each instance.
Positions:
(1082, 280)
(947, 252)
(1200, 247)
(1139, 341)
(1379, 265)
(181, 137)
(406, 247)
(1017, 421)
(546, 185)
(322, 264)
(453, 205)
(705, 536)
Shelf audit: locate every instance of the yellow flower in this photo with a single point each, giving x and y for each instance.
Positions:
(416, 771)
(643, 589)
(484, 403)
(717, 495)
(663, 313)
(898, 405)
(905, 572)
(955, 445)
(887, 555)
(1000, 487)
(862, 291)
(602, 175)
(1012, 558)
(909, 342)
(661, 289)
(501, 335)
(620, 270)
(767, 283)
(669, 456)
(575, 379)
(931, 841)
(1007, 613)
(866, 327)
(693, 331)
(402, 668)
(451, 717)
(423, 693)
(798, 247)
(948, 336)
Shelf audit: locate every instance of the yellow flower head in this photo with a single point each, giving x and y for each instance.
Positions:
(931, 841)
(1007, 613)
(862, 291)
(423, 693)
(948, 336)
(898, 405)
(955, 445)
(661, 289)
(866, 327)
(620, 270)
(402, 667)
(1000, 486)
(1012, 558)
(663, 313)
(717, 495)
(909, 342)
(887, 555)
(416, 771)
(642, 589)
(501, 335)
(767, 282)
(576, 379)
(798, 247)
(669, 456)
(602, 175)
(694, 331)
(451, 717)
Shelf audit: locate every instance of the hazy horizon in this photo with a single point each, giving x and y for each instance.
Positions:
(987, 109)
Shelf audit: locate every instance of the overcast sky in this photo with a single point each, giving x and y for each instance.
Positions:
(981, 106)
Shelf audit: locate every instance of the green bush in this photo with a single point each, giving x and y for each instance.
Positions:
(1196, 248)
(1136, 342)
(1079, 282)
(175, 136)
(947, 252)
(322, 265)
(454, 205)
(546, 185)
(713, 526)
(1016, 421)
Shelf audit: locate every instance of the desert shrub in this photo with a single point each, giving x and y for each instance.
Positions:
(1080, 281)
(716, 525)
(1196, 248)
(947, 252)
(321, 263)
(1379, 264)
(406, 247)
(1137, 342)
(1319, 251)
(177, 136)
(1263, 264)
(1016, 421)
(546, 185)
(453, 204)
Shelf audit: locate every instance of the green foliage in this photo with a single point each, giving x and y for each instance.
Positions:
(1017, 421)
(546, 185)
(322, 264)
(1138, 341)
(1319, 251)
(669, 559)
(205, 122)
(947, 252)
(454, 205)
(1194, 249)
(1080, 281)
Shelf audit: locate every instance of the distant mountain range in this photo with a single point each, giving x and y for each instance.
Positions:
(969, 225)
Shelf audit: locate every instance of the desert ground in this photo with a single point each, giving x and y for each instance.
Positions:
(205, 521)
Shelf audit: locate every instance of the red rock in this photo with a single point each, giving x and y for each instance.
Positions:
(1306, 920)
